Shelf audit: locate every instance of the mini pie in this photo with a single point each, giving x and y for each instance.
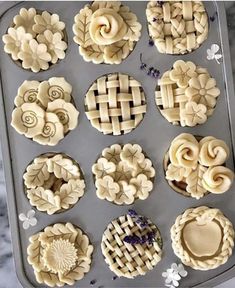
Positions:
(43, 110)
(115, 104)
(123, 174)
(126, 259)
(186, 95)
(36, 39)
(60, 255)
(177, 27)
(203, 238)
(106, 32)
(53, 183)
(195, 166)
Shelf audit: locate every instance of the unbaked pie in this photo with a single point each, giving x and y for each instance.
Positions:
(195, 166)
(45, 111)
(106, 32)
(123, 174)
(115, 104)
(53, 183)
(177, 27)
(60, 254)
(186, 95)
(131, 245)
(36, 39)
(203, 238)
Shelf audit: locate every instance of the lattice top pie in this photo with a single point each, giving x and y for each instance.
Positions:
(177, 27)
(115, 104)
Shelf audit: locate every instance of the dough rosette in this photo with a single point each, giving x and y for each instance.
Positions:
(107, 27)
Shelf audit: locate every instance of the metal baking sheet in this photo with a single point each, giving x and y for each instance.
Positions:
(85, 143)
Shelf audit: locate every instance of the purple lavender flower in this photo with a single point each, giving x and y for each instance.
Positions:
(132, 212)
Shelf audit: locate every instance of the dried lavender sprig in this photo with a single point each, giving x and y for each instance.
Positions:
(142, 222)
(151, 71)
(149, 238)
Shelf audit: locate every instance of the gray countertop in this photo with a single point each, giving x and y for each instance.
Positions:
(8, 277)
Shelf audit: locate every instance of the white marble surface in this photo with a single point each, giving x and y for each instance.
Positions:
(8, 277)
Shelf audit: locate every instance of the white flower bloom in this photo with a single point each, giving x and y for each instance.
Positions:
(212, 53)
(28, 219)
(173, 275)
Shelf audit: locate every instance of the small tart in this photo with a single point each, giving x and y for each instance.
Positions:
(203, 238)
(186, 95)
(194, 166)
(60, 255)
(123, 174)
(177, 27)
(130, 260)
(106, 32)
(115, 104)
(53, 183)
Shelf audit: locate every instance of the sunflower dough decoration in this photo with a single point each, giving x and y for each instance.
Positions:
(186, 95)
(60, 254)
(194, 166)
(203, 238)
(131, 250)
(177, 27)
(106, 32)
(123, 174)
(115, 104)
(43, 110)
(53, 183)
(36, 39)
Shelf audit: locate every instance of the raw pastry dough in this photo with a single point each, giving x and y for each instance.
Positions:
(115, 104)
(203, 238)
(106, 32)
(53, 183)
(192, 166)
(60, 254)
(127, 260)
(123, 174)
(186, 95)
(177, 27)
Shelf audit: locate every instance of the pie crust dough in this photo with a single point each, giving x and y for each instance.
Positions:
(127, 260)
(60, 254)
(106, 32)
(115, 104)
(203, 238)
(123, 174)
(36, 39)
(186, 95)
(195, 167)
(53, 183)
(177, 27)
(43, 110)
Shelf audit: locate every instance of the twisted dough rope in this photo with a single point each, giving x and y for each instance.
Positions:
(211, 263)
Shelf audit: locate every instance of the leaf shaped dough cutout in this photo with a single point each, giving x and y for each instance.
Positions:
(48, 278)
(177, 173)
(84, 249)
(114, 53)
(35, 253)
(97, 4)
(44, 200)
(81, 27)
(36, 173)
(194, 182)
(94, 53)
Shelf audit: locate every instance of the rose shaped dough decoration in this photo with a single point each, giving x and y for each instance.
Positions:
(27, 93)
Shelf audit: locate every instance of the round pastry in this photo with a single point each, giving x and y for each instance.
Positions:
(186, 95)
(177, 27)
(36, 40)
(203, 238)
(45, 111)
(131, 245)
(195, 166)
(53, 183)
(115, 104)
(123, 174)
(106, 32)
(60, 254)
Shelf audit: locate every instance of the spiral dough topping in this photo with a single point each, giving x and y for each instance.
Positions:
(55, 92)
(29, 118)
(49, 129)
(30, 96)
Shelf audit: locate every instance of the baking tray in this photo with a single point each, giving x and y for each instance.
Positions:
(85, 143)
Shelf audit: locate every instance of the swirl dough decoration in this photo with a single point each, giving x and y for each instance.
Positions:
(195, 168)
(53, 183)
(59, 255)
(106, 33)
(43, 110)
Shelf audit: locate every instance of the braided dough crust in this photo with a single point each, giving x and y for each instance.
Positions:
(124, 259)
(115, 104)
(206, 215)
(177, 27)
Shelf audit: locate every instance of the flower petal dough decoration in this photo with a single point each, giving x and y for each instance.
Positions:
(194, 114)
(106, 188)
(126, 195)
(143, 186)
(132, 154)
(25, 19)
(27, 93)
(103, 167)
(112, 153)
